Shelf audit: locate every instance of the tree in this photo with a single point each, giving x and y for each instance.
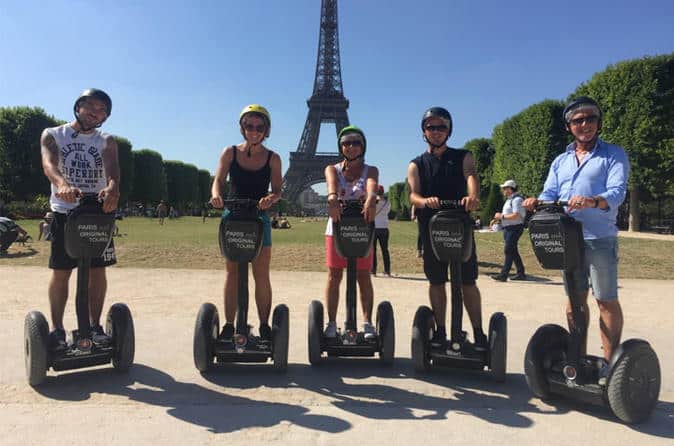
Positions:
(637, 98)
(149, 184)
(125, 167)
(526, 144)
(21, 175)
(483, 152)
(205, 181)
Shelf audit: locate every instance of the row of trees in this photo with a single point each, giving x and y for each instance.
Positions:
(637, 98)
(146, 177)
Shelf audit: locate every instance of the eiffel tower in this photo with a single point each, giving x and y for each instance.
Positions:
(326, 104)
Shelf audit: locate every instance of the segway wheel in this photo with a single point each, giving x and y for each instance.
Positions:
(422, 331)
(206, 331)
(498, 346)
(547, 346)
(119, 326)
(279, 336)
(634, 384)
(386, 333)
(315, 333)
(36, 342)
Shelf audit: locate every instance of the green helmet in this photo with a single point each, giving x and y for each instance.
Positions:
(351, 129)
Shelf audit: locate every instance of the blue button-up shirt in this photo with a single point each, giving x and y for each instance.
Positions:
(603, 172)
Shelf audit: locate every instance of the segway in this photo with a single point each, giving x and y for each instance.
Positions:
(240, 238)
(352, 238)
(88, 232)
(451, 234)
(554, 361)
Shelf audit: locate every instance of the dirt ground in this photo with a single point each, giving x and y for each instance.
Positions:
(164, 400)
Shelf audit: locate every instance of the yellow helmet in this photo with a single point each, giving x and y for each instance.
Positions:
(259, 110)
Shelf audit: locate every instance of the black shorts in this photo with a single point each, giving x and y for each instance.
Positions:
(60, 260)
(437, 271)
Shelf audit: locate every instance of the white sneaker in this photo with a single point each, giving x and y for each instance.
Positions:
(369, 331)
(603, 374)
(331, 330)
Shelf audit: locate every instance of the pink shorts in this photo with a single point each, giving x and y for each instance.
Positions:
(334, 260)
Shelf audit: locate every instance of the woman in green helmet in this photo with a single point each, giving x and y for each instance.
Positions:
(350, 179)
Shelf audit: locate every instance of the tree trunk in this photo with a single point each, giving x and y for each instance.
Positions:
(634, 222)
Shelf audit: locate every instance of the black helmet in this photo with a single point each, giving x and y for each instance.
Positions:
(96, 94)
(438, 112)
(579, 103)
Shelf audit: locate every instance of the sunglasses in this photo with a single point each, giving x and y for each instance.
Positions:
(581, 121)
(254, 128)
(436, 128)
(353, 143)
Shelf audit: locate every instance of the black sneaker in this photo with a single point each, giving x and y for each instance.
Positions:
(519, 277)
(98, 335)
(499, 277)
(57, 339)
(265, 332)
(481, 343)
(439, 338)
(227, 331)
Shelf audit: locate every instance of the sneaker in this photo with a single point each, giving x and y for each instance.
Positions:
(519, 277)
(331, 330)
(481, 343)
(439, 338)
(227, 331)
(603, 373)
(369, 331)
(499, 277)
(98, 334)
(57, 339)
(265, 332)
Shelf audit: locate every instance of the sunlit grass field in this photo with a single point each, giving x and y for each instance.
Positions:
(186, 242)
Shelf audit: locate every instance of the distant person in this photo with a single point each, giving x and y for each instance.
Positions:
(350, 179)
(204, 213)
(90, 155)
(44, 225)
(512, 221)
(478, 223)
(251, 168)
(162, 212)
(443, 173)
(381, 233)
(592, 176)
(413, 217)
(10, 232)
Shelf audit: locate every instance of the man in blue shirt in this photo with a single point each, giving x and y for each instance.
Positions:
(592, 176)
(512, 220)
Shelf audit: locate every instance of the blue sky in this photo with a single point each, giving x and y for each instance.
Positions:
(179, 72)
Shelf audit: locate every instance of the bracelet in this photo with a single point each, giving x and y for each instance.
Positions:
(332, 193)
(596, 202)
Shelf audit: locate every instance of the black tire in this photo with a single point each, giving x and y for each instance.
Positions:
(119, 326)
(36, 343)
(547, 345)
(634, 383)
(315, 332)
(422, 329)
(386, 333)
(279, 336)
(206, 331)
(498, 346)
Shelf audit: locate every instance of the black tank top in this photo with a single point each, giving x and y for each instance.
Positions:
(253, 184)
(441, 177)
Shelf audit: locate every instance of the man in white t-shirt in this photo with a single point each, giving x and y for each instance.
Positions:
(511, 219)
(78, 158)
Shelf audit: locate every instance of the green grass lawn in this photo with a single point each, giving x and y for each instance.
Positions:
(188, 243)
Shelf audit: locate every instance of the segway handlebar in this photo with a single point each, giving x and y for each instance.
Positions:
(240, 203)
(542, 204)
(352, 204)
(451, 204)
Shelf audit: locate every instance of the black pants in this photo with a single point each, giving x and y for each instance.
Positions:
(511, 235)
(7, 238)
(381, 236)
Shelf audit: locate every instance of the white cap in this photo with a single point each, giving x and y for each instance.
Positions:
(509, 183)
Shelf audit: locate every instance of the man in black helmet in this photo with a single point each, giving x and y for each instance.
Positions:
(77, 158)
(442, 173)
(592, 176)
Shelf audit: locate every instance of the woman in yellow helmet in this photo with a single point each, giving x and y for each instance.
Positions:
(251, 168)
